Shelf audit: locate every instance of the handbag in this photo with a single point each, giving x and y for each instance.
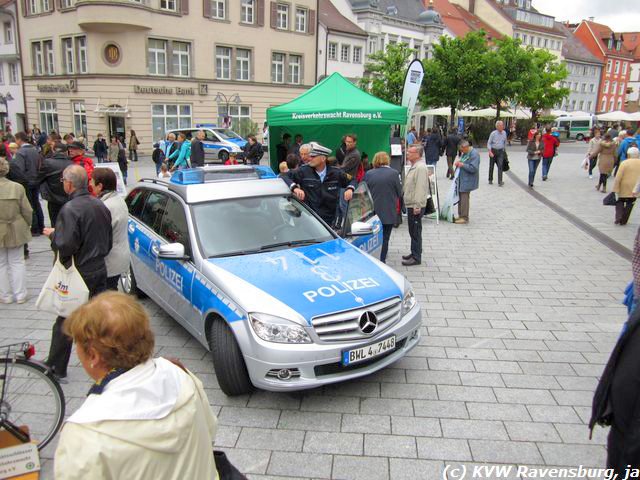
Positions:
(63, 291)
(505, 164)
(226, 470)
(610, 199)
(430, 208)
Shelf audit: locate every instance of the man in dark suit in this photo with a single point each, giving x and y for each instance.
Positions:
(384, 184)
(197, 150)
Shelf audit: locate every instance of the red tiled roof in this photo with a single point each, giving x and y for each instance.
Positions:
(632, 43)
(459, 21)
(331, 18)
(603, 32)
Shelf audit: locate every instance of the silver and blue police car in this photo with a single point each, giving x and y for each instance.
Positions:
(282, 301)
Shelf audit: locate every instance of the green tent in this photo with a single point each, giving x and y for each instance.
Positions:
(330, 110)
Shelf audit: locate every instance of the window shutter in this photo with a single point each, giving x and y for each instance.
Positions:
(274, 14)
(312, 22)
(25, 11)
(260, 16)
(206, 8)
(184, 7)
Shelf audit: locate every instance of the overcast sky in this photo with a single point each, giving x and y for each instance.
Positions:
(620, 15)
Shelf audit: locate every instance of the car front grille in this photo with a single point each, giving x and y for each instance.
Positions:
(344, 326)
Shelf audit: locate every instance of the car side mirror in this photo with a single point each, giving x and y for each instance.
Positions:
(359, 229)
(172, 251)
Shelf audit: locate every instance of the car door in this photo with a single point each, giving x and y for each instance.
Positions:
(139, 237)
(177, 275)
(360, 209)
(211, 146)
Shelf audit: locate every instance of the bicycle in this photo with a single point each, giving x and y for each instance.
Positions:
(29, 395)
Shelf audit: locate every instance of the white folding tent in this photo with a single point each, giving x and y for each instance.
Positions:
(442, 111)
(617, 116)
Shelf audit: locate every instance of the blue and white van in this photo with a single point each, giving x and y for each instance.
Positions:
(281, 300)
(218, 142)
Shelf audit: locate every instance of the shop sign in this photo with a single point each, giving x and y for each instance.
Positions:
(72, 86)
(142, 89)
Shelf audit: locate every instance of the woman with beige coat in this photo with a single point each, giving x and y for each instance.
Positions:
(15, 232)
(605, 152)
(626, 180)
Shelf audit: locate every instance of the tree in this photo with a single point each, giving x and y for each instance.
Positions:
(387, 70)
(509, 66)
(457, 74)
(541, 83)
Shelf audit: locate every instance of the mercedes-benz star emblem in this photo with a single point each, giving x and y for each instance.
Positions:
(368, 322)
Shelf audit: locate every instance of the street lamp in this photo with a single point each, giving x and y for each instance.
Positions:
(5, 99)
(221, 97)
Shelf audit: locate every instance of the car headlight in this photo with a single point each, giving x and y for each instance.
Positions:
(408, 300)
(278, 330)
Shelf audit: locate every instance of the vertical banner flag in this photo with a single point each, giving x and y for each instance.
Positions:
(412, 83)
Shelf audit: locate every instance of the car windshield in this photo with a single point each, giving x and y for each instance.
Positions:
(227, 134)
(258, 224)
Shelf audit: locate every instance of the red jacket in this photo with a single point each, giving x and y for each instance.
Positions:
(551, 143)
(87, 164)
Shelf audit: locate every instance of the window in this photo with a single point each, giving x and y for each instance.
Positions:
(539, 40)
(68, 55)
(610, 43)
(605, 89)
(611, 104)
(585, 71)
(135, 201)
(604, 104)
(181, 55)
(243, 64)
(153, 210)
(247, 12)
(168, 117)
(301, 20)
(345, 53)
(624, 67)
(13, 73)
(83, 63)
(237, 113)
(174, 225)
(282, 17)
(621, 92)
(373, 42)
(617, 70)
(295, 69)
(49, 58)
(608, 66)
(168, 5)
(589, 105)
(1, 73)
(8, 33)
(592, 87)
(357, 54)
(524, 38)
(620, 104)
(48, 115)
(218, 9)
(277, 67)
(157, 57)
(79, 118)
(223, 63)
(614, 87)
(39, 6)
(38, 59)
(583, 87)
(74, 53)
(332, 52)
(581, 105)
(546, 42)
(66, 4)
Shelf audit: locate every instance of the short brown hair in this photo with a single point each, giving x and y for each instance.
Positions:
(381, 159)
(106, 177)
(352, 136)
(116, 326)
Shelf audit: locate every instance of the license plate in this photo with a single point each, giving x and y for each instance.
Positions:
(361, 354)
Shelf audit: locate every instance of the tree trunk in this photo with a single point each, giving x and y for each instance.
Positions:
(452, 119)
(498, 110)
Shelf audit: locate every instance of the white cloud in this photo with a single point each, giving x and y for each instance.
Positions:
(625, 16)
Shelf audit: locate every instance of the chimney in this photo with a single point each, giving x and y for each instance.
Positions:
(472, 6)
(591, 19)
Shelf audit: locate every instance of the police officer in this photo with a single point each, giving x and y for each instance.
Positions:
(318, 184)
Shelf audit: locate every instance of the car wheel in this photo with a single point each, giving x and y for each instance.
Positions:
(223, 155)
(129, 285)
(228, 361)
(579, 137)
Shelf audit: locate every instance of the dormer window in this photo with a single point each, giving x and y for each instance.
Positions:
(610, 44)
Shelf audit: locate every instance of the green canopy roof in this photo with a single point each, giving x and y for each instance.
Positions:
(333, 101)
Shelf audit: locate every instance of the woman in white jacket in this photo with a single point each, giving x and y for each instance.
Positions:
(143, 418)
(105, 185)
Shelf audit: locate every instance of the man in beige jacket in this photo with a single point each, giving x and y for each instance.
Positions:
(416, 192)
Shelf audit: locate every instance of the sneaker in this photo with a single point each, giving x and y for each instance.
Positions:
(501, 184)
(490, 182)
(6, 301)
(544, 179)
(20, 301)
(460, 221)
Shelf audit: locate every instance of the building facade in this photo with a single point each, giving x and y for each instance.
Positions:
(519, 19)
(458, 21)
(632, 42)
(151, 65)
(342, 44)
(585, 72)
(608, 47)
(12, 112)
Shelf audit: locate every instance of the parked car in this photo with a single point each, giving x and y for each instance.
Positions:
(218, 142)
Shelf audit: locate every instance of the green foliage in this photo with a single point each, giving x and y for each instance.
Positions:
(386, 71)
(457, 75)
(541, 82)
(247, 127)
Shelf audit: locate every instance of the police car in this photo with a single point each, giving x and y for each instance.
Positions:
(218, 142)
(282, 301)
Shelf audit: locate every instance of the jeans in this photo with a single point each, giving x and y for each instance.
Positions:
(450, 170)
(158, 165)
(37, 222)
(533, 168)
(463, 205)
(60, 349)
(386, 235)
(592, 164)
(623, 209)
(13, 285)
(415, 232)
(100, 158)
(133, 155)
(497, 160)
(546, 165)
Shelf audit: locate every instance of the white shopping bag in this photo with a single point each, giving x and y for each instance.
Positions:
(585, 163)
(452, 198)
(64, 290)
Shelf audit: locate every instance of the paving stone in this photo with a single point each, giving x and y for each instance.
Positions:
(532, 432)
(323, 403)
(374, 406)
(418, 427)
(366, 423)
(553, 414)
(433, 377)
(476, 379)
(271, 439)
(360, 468)
(525, 396)
(530, 381)
(249, 461)
(497, 411)
(406, 469)
(504, 452)
(408, 390)
(443, 449)
(572, 455)
(471, 394)
(440, 409)
(311, 465)
(325, 422)
(245, 417)
(338, 443)
(390, 446)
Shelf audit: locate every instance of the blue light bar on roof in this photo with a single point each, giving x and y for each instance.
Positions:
(189, 176)
(264, 172)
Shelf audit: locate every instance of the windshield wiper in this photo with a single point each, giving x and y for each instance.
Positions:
(293, 243)
(236, 253)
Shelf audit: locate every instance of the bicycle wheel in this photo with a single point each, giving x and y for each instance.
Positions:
(31, 398)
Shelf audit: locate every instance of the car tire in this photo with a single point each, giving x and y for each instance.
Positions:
(228, 361)
(223, 155)
(579, 137)
(129, 284)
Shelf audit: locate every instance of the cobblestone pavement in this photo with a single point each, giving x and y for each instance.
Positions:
(521, 310)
